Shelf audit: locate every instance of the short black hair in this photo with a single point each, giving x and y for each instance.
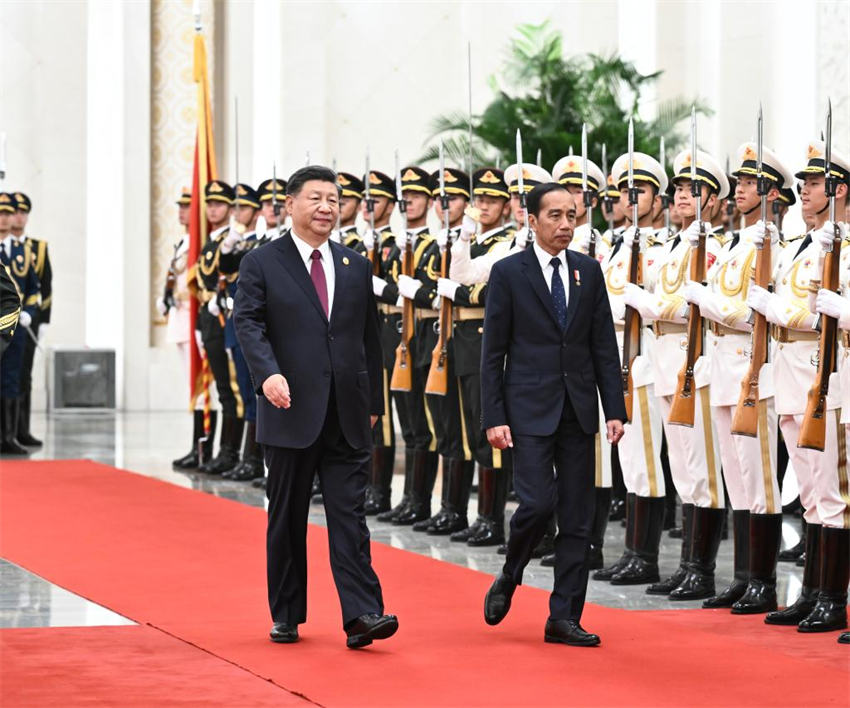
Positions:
(306, 174)
(535, 196)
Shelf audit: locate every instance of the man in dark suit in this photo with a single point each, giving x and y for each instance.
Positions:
(307, 322)
(548, 346)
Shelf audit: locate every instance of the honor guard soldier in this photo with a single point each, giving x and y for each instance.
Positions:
(821, 605)
(419, 286)
(351, 196)
(234, 246)
(380, 245)
(532, 175)
(693, 453)
(612, 210)
(44, 272)
(494, 468)
(212, 288)
(640, 446)
(568, 171)
(272, 193)
(174, 305)
(18, 258)
(749, 462)
(10, 308)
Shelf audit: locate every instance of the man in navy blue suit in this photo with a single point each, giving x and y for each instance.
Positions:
(549, 345)
(307, 323)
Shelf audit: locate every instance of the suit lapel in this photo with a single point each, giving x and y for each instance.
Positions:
(531, 268)
(341, 278)
(291, 260)
(573, 268)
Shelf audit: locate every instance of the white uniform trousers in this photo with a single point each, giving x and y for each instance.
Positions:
(640, 446)
(603, 453)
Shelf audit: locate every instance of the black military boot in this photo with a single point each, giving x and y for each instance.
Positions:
(9, 427)
(458, 478)
(391, 514)
(428, 524)
(620, 563)
(669, 584)
(601, 512)
(545, 548)
(424, 475)
(642, 566)
(617, 500)
(252, 457)
(736, 589)
(464, 535)
(190, 460)
(492, 497)
(380, 487)
(796, 552)
(705, 541)
(765, 537)
(228, 452)
(204, 446)
(830, 611)
(800, 609)
(24, 436)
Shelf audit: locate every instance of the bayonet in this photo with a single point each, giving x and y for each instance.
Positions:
(539, 157)
(520, 181)
(2, 156)
(196, 14)
(469, 114)
(587, 195)
(607, 205)
(665, 198)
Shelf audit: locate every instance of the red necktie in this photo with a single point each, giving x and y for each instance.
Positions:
(317, 274)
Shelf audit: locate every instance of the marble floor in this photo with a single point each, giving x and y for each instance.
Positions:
(147, 442)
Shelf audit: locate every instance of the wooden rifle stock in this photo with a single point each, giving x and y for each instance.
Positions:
(221, 299)
(745, 420)
(631, 333)
(813, 429)
(683, 410)
(402, 379)
(438, 375)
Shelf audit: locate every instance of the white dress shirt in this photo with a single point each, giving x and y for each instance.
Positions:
(305, 250)
(546, 266)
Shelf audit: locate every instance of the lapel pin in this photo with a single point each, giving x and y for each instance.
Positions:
(577, 277)
(345, 260)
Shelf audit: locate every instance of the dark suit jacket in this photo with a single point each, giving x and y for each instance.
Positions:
(528, 364)
(282, 329)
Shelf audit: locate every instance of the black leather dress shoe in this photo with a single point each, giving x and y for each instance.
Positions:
(283, 633)
(497, 602)
(844, 638)
(569, 632)
(362, 631)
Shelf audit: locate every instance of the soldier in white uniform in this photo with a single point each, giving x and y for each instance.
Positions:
(821, 476)
(640, 446)
(749, 463)
(693, 453)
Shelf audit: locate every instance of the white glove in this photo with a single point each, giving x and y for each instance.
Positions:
(408, 286)
(160, 306)
(758, 299)
(694, 292)
(229, 243)
(522, 237)
(213, 308)
(228, 303)
(691, 234)
(832, 305)
(399, 302)
(636, 297)
(469, 227)
(447, 288)
(25, 319)
(758, 232)
(42, 331)
(199, 340)
(378, 285)
(442, 238)
(369, 239)
(825, 235)
(402, 238)
(629, 237)
(435, 303)
(262, 227)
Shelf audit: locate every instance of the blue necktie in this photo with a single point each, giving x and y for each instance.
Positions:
(559, 297)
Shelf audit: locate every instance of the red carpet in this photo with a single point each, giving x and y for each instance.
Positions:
(193, 565)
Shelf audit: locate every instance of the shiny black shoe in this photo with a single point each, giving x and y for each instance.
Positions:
(611, 570)
(497, 602)
(696, 585)
(844, 638)
(490, 533)
(828, 615)
(450, 523)
(464, 535)
(545, 547)
(666, 586)
(283, 633)
(366, 628)
(637, 571)
(569, 632)
(796, 612)
(427, 524)
(548, 561)
(259, 483)
(316, 491)
(759, 598)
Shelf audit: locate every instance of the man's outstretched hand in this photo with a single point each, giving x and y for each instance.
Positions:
(276, 391)
(500, 437)
(615, 431)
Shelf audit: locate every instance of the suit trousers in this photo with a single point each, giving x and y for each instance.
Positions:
(344, 474)
(555, 474)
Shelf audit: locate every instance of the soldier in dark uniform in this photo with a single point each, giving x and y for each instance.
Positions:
(210, 327)
(494, 466)
(10, 308)
(351, 196)
(233, 247)
(41, 315)
(19, 260)
(271, 192)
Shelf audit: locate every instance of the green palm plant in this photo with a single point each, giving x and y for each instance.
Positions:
(548, 97)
